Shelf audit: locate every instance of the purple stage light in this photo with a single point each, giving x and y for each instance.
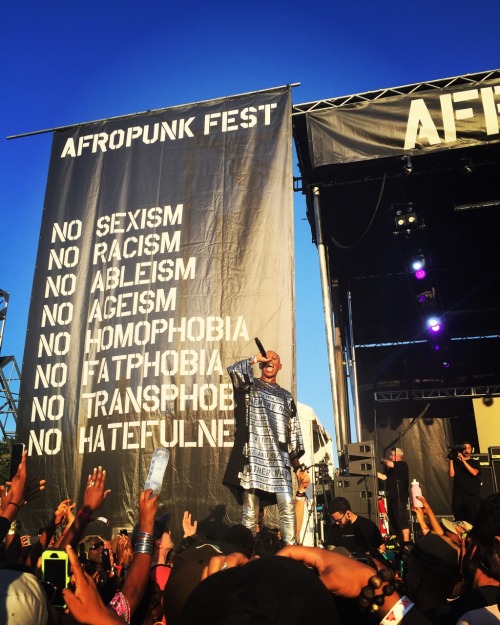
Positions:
(420, 274)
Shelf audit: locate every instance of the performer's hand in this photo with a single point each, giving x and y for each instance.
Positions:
(261, 358)
(303, 479)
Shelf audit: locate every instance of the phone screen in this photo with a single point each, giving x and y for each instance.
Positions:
(16, 455)
(106, 562)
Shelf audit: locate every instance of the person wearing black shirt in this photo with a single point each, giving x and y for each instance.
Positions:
(397, 477)
(355, 533)
(466, 473)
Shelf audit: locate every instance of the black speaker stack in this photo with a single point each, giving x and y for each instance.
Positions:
(490, 471)
(494, 454)
(358, 480)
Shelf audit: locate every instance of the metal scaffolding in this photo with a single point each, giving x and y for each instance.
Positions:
(438, 393)
(10, 381)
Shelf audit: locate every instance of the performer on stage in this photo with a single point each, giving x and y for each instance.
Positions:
(397, 478)
(466, 474)
(267, 443)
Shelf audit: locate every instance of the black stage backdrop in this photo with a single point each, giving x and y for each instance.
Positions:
(456, 116)
(166, 246)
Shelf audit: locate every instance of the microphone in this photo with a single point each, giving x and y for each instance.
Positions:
(261, 347)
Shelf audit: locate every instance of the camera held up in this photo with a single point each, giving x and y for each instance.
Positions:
(454, 451)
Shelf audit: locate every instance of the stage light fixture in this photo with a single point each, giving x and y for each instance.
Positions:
(418, 266)
(400, 219)
(405, 219)
(407, 167)
(418, 263)
(427, 298)
(420, 274)
(434, 324)
(411, 218)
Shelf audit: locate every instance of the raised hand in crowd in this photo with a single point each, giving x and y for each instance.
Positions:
(342, 576)
(84, 602)
(136, 581)
(188, 525)
(347, 577)
(61, 512)
(124, 551)
(432, 522)
(45, 538)
(94, 496)
(64, 515)
(20, 491)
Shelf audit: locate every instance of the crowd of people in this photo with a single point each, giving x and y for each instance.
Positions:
(450, 575)
(254, 574)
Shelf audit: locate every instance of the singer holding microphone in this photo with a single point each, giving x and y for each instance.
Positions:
(267, 443)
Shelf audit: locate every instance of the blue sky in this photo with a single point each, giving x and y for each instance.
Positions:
(64, 63)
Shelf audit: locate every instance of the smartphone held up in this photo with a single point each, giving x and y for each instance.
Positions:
(55, 575)
(16, 455)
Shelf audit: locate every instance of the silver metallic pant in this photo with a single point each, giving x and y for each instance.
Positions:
(286, 508)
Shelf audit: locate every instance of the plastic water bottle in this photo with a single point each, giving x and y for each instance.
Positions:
(157, 469)
(415, 491)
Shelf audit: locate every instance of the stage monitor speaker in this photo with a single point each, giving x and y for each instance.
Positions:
(324, 484)
(365, 449)
(363, 502)
(495, 464)
(483, 459)
(356, 483)
(487, 482)
(361, 467)
(344, 463)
